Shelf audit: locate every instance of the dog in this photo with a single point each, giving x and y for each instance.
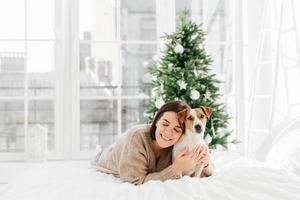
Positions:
(195, 123)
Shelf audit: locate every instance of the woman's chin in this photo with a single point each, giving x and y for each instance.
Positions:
(164, 144)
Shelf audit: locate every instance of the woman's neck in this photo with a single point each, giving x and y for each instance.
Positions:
(156, 149)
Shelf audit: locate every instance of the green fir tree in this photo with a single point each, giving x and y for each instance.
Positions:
(183, 73)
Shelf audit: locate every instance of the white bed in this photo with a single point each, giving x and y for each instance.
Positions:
(235, 178)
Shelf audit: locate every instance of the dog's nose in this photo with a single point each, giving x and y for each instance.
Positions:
(198, 128)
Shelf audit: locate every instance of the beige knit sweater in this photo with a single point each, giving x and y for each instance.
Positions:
(132, 159)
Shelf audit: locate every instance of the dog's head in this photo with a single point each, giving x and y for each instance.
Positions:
(195, 119)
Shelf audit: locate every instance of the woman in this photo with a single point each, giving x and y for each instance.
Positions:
(145, 152)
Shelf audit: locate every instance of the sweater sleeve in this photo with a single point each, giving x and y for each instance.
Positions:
(134, 165)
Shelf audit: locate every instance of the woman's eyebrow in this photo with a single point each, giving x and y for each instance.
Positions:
(166, 120)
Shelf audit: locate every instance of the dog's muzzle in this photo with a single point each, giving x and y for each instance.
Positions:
(198, 128)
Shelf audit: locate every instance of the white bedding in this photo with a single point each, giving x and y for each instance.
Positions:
(74, 180)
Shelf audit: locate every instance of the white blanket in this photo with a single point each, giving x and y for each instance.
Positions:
(73, 180)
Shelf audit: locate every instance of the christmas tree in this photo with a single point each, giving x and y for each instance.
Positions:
(183, 73)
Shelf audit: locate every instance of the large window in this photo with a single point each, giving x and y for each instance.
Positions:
(80, 68)
(117, 40)
(29, 57)
(272, 72)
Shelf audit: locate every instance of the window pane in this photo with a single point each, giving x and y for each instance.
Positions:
(42, 112)
(40, 19)
(97, 20)
(292, 86)
(12, 23)
(217, 20)
(181, 5)
(136, 77)
(40, 68)
(11, 126)
(218, 54)
(99, 69)
(12, 59)
(133, 113)
(213, 14)
(98, 123)
(138, 20)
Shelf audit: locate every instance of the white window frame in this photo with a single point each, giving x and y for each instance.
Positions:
(67, 80)
(57, 98)
(161, 28)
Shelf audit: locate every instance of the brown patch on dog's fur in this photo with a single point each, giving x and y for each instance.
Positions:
(185, 117)
(182, 115)
(182, 118)
(207, 111)
(202, 113)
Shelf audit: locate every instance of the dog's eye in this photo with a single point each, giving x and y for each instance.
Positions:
(190, 118)
(202, 116)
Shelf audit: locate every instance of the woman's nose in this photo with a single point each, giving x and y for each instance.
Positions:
(169, 131)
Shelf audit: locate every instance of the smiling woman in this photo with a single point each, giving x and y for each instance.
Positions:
(168, 131)
(145, 152)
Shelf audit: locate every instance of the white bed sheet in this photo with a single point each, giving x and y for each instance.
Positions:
(74, 180)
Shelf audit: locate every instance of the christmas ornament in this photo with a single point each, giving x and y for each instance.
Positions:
(182, 84)
(159, 103)
(195, 94)
(178, 49)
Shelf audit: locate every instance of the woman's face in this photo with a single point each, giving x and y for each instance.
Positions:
(168, 130)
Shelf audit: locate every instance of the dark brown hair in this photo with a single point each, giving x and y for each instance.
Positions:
(175, 106)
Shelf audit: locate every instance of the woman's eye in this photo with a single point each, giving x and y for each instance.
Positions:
(165, 124)
(178, 130)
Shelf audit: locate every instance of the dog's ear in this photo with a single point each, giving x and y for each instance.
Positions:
(207, 111)
(182, 115)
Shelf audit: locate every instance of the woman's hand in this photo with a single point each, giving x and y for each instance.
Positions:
(186, 160)
(204, 155)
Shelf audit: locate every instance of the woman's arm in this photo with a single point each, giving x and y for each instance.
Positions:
(134, 164)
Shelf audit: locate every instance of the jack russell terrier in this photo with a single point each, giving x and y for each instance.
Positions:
(195, 123)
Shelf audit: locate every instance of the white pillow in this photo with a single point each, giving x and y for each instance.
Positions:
(286, 152)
